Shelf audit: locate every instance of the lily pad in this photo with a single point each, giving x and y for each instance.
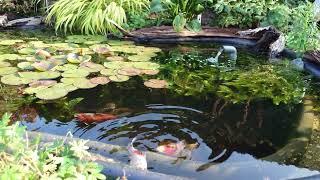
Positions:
(119, 43)
(43, 53)
(8, 70)
(119, 78)
(72, 80)
(27, 51)
(148, 54)
(115, 58)
(129, 71)
(10, 42)
(38, 44)
(151, 50)
(83, 51)
(79, 39)
(4, 64)
(51, 93)
(156, 83)
(117, 64)
(66, 67)
(64, 46)
(146, 65)
(125, 49)
(91, 67)
(33, 90)
(46, 83)
(14, 80)
(100, 80)
(100, 48)
(75, 73)
(39, 75)
(108, 72)
(43, 65)
(86, 84)
(10, 57)
(139, 58)
(74, 58)
(150, 72)
(57, 62)
(25, 66)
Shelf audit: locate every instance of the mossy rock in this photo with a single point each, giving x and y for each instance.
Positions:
(66, 67)
(146, 65)
(40, 75)
(25, 66)
(27, 51)
(109, 72)
(10, 57)
(14, 80)
(75, 73)
(51, 93)
(8, 70)
(139, 58)
(119, 78)
(10, 42)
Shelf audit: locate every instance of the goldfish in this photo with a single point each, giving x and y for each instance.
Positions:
(138, 159)
(94, 117)
(178, 149)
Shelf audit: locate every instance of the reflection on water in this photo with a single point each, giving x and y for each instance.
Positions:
(154, 116)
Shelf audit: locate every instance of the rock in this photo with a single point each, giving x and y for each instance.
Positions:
(297, 64)
(312, 56)
(3, 20)
(31, 21)
(277, 47)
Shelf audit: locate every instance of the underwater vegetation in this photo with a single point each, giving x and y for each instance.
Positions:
(52, 70)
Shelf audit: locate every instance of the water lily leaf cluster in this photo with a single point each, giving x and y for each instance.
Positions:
(52, 70)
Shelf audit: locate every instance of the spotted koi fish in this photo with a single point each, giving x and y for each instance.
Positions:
(138, 158)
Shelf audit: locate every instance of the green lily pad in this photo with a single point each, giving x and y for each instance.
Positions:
(43, 53)
(66, 67)
(91, 67)
(117, 64)
(51, 93)
(115, 58)
(43, 65)
(40, 75)
(67, 87)
(108, 72)
(8, 70)
(125, 49)
(156, 83)
(83, 51)
(72, 80)
(14, 80)
(119, 43)
(64, 46)
(139, 58)
(151, 50)
(150, 72)
(119, 78)
(129, 71)
(146, 65)
(57, 62)
(25, 66)
(75, 73)
(86, 39)
(100, 80)
(10, 42)
(10, 57)
(4, 64)
(27, 51)
(38, 44)
(33, 90)
(148, 54)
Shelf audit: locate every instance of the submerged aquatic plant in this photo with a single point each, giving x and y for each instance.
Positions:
(93, 16)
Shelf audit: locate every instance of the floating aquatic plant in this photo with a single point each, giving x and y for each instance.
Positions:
(156, 83)
(10, 42)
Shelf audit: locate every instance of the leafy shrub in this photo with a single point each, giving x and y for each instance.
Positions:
(244, 13)
(278, 16)
(22, 158)
(140, 20)
(304, 33)
(20, 7)
(93, 16)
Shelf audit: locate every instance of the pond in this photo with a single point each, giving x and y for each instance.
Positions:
(214, 110)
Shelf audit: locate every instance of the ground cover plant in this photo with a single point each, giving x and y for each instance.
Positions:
(23, 158)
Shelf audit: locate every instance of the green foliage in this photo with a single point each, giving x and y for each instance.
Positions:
(93, 16)
(281, 84)
(181, 11)
(23, 158)
(279, 16)
(245, 13)
(20, 7)
(140, 20)
(304, 33)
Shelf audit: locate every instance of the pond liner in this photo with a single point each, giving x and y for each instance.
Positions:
(243, 166)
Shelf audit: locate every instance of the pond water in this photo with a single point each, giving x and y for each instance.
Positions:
(215, 128)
